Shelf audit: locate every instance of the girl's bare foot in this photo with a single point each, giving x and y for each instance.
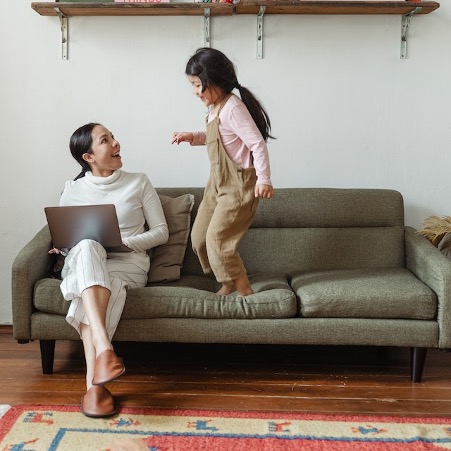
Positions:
(241, 285)
(227, 288)
(247, 292)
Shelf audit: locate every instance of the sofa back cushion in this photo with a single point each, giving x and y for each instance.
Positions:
(304, 229)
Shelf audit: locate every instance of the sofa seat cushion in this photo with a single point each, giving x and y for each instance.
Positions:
(273, 298)
(384, 293)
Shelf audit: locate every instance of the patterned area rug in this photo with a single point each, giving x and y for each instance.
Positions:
(36, 428)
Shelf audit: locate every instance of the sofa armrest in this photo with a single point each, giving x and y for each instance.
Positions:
(31, 264)
(433, 269)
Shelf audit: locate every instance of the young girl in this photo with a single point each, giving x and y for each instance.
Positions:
(237, 130)
(95, 282)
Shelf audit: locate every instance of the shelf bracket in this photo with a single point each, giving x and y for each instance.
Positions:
(207, 27)
(260, 15)
(404, 28)
(64, 34)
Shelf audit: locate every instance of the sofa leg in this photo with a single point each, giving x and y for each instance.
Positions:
(47, 355)
(417, 356)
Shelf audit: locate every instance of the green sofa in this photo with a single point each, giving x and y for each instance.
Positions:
(328, 267)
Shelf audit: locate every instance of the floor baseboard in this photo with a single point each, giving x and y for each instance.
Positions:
(6, 329)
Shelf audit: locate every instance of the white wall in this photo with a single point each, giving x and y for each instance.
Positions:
(346, 110)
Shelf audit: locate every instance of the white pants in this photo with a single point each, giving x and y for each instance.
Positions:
(87, 265)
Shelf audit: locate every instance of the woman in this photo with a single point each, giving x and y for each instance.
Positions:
(95, 282)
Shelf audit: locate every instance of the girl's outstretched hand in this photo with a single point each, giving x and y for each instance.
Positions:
(179, 137)
(264, 191)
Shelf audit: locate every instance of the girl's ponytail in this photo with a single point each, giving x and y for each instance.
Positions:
(257, 111)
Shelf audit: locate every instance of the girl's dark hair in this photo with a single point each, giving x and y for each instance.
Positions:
(215, 69)
(80, 143)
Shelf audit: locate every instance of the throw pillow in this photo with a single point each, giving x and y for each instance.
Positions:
(167, 259)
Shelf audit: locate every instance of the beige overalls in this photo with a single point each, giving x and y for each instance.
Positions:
(226, 211)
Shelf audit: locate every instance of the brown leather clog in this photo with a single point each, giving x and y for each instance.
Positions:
(97, 402)
(108, 367)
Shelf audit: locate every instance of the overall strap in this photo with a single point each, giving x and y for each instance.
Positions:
(224, 101)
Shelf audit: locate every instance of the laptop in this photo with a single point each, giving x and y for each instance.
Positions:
(69, 225)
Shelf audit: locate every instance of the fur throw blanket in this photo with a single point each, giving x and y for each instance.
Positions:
(437, 229)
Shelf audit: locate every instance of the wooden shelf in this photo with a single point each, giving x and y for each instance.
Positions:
(221, 9)
(331, 7)
(64, 10)
(132, 9)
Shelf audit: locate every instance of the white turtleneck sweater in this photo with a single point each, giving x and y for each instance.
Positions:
(137, 204)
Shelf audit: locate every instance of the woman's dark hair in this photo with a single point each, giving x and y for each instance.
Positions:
(80, 143)
(215, 69)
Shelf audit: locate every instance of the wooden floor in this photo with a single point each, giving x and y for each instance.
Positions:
(334, 380)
